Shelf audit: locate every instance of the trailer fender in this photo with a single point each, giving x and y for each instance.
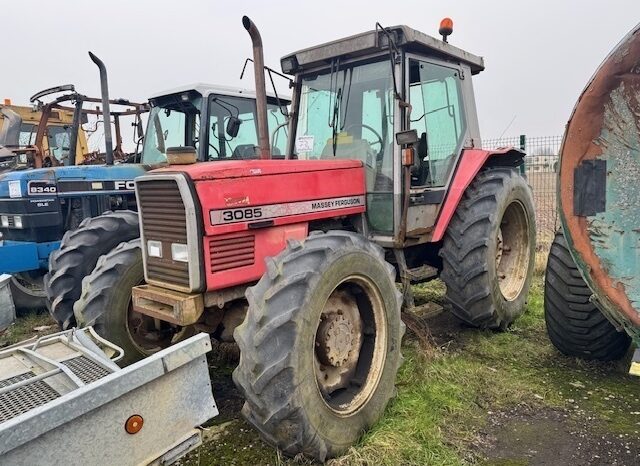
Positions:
(471, 161)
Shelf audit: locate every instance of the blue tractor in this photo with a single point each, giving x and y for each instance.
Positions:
(43, 193)
(70, 216)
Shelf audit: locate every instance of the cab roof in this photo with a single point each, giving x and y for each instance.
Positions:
(206, 89)
(370, 42)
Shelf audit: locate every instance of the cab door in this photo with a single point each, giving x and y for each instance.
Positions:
(438, 116)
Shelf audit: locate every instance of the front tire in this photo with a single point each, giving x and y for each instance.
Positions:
(575, 325)
(78, 255)
(320, 346)
(105, 302)
(488, 250)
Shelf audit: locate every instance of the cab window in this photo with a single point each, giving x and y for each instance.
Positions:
(438, 116)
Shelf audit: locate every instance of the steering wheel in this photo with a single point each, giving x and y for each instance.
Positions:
(377, 135)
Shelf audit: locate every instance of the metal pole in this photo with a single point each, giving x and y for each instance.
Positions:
(75, 128)
(261, 90)
(106, 113)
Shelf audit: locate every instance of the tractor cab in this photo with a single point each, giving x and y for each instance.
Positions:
(354, 95)
(228, 132)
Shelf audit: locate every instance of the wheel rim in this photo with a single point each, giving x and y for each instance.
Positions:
(512, 251)
(350, 345)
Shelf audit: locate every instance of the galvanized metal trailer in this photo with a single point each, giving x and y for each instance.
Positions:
(64, 401)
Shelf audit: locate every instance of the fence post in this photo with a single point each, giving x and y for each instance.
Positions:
(523, 147)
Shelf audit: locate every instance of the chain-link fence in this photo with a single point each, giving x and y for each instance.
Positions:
(541, 166)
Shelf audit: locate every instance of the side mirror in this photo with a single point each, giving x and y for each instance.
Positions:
(233, 126)
(407, 138)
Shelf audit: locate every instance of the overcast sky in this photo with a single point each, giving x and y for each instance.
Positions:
(539, 54)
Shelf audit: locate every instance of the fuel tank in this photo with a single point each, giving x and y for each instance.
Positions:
(599, 183)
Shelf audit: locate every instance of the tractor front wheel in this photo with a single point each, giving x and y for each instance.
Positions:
(320, 345)
(488, 252)
(79, 252)
(106, 304)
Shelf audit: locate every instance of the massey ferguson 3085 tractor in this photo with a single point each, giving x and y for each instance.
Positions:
(592, 287)
(382, 181)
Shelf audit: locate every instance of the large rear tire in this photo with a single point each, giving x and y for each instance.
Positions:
(78, 255)
(575, 326)
(105, 302)
(320, 346)
(489, 248)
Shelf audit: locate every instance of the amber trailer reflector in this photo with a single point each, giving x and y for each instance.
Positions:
(134, 424)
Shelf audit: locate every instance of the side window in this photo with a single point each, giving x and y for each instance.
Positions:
(438, 116)
(59, 141)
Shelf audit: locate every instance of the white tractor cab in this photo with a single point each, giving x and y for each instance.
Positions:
(230, 131)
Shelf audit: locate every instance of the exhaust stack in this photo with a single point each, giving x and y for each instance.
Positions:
(261, 90)
(106, 112)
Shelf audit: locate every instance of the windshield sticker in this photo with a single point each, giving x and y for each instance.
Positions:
(304, 144)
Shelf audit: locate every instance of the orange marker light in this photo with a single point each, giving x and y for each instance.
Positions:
(446, 28)
(134, 424)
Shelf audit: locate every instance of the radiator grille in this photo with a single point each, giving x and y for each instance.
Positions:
(164, 219)
(232, 251)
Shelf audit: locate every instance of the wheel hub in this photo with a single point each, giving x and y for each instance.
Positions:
(335, 340)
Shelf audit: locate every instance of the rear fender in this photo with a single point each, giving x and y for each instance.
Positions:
(471, 162)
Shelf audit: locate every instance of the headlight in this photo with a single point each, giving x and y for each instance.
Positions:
(179, 252)
(154, 248)
(17, 221)
(4, 221)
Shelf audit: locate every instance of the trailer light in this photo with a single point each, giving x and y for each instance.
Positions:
(179, 252)
(134, 424)
(4, 221)
(17, 221)
(154, 249)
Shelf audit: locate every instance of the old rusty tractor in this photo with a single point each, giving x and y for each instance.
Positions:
(382, 181)
(592, 285)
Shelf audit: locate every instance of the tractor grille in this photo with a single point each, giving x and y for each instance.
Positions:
(232, 251)
(164, 219)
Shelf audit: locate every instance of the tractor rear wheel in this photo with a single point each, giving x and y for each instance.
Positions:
(489, 248)
(320, 345)
(575, 326)
(106, 304)
(79, 252)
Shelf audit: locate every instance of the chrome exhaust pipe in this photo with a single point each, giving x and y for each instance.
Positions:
(264, 146)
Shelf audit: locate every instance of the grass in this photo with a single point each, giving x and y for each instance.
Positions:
(24, 326)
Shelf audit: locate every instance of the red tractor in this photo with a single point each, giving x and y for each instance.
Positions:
(297, 257)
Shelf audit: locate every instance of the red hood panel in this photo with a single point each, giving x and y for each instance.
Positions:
(247, 168)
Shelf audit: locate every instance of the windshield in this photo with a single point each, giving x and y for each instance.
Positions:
(347, 113)
(232, 128)
(173, 123)
(227, 111)
(59, 138)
